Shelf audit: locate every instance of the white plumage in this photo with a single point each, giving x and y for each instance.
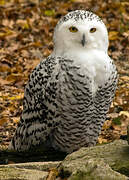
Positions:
(68, 94)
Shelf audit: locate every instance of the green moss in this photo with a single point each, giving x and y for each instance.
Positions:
(124, 170)
(117, 121)
(80, 175)
(122, 167)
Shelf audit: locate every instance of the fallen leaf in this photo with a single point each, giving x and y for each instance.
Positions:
(49, 12)
(125, 113)
(52, 174)
(3, 120)
(113, 35)
(16, 119)
(2, 2)
(20, 96)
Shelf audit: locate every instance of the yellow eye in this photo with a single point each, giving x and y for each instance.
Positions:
(73, 29)
(92, 30)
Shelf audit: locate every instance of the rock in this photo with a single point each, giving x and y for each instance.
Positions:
(26, 171)
(99, 162)
(10, 173)
(91, 169)
(103, 162)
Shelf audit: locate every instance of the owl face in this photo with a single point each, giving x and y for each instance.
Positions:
(81, 32)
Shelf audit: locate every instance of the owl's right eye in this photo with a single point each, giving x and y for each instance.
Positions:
(73, 29)
(92, 30)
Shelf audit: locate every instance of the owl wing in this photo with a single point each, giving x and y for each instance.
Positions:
(39, 107)
(109, 88)
(104, 97)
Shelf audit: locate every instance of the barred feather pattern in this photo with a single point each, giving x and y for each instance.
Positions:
(39, 108)
(60, 109)
(82, 113)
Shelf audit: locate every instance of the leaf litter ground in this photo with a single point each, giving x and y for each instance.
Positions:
(26, 29)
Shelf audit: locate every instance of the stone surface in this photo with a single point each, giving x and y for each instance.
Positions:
(11, 173)
(26, 171)
(90, 169)
(103, 162)
(99, 162)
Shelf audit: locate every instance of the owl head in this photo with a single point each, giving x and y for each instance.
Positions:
(80, 30)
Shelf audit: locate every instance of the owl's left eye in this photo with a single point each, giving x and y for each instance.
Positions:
(73, 29)
(92, 30)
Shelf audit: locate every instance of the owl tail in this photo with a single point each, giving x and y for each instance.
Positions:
(27, 136)
(20, 141)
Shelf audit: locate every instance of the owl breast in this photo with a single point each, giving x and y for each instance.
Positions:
(77, 109)
(92, 63)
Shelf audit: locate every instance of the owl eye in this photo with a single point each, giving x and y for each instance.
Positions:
(73, 29)
(92, 30)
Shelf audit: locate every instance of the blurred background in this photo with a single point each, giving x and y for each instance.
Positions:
(26, 30)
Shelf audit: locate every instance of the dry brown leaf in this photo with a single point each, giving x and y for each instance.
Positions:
(107, 124)
(3, 120)
(14, 77)
(113, 35)
(125, 113)
(52, 174)
(16, 119)
(2, 2)
(3, 82)
(102, 140)
(8, 23)
(19, 96)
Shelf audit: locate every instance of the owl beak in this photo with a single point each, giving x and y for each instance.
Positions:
(83, 41)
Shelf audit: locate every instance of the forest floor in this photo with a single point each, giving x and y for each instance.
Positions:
(26, 30)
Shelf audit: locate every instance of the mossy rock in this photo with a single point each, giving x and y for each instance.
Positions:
(27, 171)
(104, 162)
(11, 173)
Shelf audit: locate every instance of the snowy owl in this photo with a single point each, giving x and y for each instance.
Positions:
(69, 93)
